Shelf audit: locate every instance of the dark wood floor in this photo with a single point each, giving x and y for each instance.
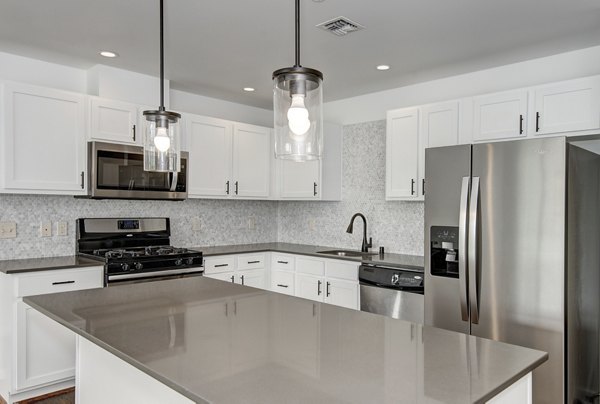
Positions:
(66, 396)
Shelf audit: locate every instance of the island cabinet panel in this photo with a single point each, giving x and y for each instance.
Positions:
(250, 332)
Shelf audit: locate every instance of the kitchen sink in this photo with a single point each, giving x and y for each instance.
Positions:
(347, 253)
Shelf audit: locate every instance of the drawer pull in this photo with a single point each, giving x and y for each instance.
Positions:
(62, 282)
(253, 262)
(232, 279)
(282, 286)
(221, 265)
(242, 277)
(283, 262)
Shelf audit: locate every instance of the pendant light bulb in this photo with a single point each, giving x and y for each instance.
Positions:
(161, 140)
(298, 116)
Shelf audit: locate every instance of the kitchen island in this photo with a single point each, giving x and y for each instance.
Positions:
(203, 340)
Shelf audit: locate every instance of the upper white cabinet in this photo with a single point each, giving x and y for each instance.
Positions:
(228, 159)
(569, 106)
(44, 142)
(402, 154)
(251, 160)
(440, 124)
(500, 116)
(209, 144)
(114, 121)
(299, 180)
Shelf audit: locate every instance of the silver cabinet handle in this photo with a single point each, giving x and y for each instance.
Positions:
(282, 286)
(227, 188)
(473, 252)
(314, 189)
(236, 187)
(253, 262)
(412, 186)
(463, 222)
(521, 124)
(537, 121)
(283, 262)
(232, 279)
(133, 130)
(82, 179)
(327, 290)
(319, 288)
(221, 265)
(242, 277)
(423, 186)
(63, 282)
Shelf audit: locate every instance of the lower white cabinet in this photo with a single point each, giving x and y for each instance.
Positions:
(282, 282)
(40, 353)
(245, 269)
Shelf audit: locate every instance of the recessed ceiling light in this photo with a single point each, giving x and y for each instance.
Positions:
(383, 67)
(248, 89)
(109, 54)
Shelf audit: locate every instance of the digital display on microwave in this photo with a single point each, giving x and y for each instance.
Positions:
(128, 224)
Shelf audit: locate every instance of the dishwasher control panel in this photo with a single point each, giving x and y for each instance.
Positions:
(391, 278)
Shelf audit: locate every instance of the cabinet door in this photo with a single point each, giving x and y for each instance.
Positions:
(223, 276)
(440, 124)
(255, 278)
(44, 140)
(210, 147)
(402, 151)
(114, 121)
(282, 282)
(310, 287)
(341, 293)
(500, 116)
(251, 160)
(45, 349)
(250, 333)
(300, 180)
(568, 106)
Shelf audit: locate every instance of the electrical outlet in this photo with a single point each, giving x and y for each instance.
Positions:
(251, 223)
(196, 224)
(62, 228)
(8, 230)
(312, 224)
(46, 229)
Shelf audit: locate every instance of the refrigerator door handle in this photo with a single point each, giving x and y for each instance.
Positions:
(473, 253)
(462, 247)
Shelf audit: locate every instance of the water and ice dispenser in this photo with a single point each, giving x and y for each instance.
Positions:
(444, 251)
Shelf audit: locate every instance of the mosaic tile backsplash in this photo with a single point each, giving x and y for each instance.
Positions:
(396, 225)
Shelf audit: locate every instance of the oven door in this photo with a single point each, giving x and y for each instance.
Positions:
(117, 171)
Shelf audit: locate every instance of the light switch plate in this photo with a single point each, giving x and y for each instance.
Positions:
(62, 228)
(8, 230)
(46, 229)
(251, 223)
(196, 224)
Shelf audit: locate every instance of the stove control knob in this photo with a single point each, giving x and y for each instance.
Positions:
(178, 261)
(190, 260)
(125, 267)
(138, 266)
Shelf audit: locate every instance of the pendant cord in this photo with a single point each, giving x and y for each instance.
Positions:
(162, 61)
(297, 33)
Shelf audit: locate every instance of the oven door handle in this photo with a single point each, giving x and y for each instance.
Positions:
(173, 331)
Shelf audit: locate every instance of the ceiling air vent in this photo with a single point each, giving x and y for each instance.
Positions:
(340, 26)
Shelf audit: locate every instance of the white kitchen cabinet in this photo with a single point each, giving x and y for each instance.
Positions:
(244, 269)
(44, 143)
(256, 278)
(402, 154)
(310, 287)
(210, 164)
(227, 159)
(282, 282)
(222, 276)
(439, 124)
(342, 293)
(500, 116)
(39, 353)
(251, 160)
(114, 121)
(567, 107)
(299, 180)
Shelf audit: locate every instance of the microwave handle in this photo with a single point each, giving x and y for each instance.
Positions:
(174, 176)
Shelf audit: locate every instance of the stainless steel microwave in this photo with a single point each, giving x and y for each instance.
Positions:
(117, 171)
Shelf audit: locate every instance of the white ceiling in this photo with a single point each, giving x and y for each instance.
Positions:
(216, 47)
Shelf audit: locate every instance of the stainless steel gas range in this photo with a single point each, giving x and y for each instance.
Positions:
(135, 249)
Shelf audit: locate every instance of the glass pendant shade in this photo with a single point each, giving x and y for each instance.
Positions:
(162, 147)
(298, 113)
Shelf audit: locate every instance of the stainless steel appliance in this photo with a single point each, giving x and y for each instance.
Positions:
(135, 249)
(392, 292)
(506, 260)
(117, 171)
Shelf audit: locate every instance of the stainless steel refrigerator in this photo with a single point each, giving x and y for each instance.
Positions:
(512, 253)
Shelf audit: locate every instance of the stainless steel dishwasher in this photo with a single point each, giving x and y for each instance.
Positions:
(393, 292)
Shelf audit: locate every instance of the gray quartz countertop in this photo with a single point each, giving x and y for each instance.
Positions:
(45, 264)
(230, 343)
(389, 259)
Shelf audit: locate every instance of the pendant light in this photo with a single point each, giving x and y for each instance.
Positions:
(298, 108)
(161, 133)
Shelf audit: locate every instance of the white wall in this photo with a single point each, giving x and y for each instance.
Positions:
(373, 106)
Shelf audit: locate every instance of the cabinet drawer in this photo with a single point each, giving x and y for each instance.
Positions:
(312, 266)
(342, 270)
(254, 261)
(282, 282)
(283, 262)
(41, 283)
(215, 265)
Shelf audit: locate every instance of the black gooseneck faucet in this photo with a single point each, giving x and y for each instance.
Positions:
(365, 246)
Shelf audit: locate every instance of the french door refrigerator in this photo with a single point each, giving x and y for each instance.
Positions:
(496, 223)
